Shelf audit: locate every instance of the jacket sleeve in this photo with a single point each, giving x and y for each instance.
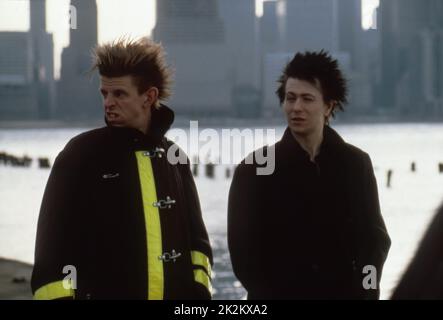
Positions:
(54, 247)
(375, 241)
(423, 278)
(244, 230)
(201, 252)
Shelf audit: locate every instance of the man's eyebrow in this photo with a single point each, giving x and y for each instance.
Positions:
(302, 94)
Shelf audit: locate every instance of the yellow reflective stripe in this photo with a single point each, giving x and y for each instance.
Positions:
(200, 259)
(201, 277)
(54, 290)
(153, 227)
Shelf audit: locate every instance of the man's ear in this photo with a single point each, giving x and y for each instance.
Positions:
(330, 107)
(151, 96)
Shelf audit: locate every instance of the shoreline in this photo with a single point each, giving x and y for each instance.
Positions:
(15, 278)
(181, 122)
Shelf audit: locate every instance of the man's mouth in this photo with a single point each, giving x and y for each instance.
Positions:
(111, 115)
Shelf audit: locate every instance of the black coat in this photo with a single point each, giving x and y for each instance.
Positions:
(92, 217)
(423, 279)
(307, 230)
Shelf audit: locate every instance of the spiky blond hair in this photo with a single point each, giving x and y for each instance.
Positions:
(143, 59)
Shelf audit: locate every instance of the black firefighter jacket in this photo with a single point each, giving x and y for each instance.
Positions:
(423, 279)
(308, 230)
(126, 219)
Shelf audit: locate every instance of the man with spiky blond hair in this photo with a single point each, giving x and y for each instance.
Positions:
(117, 220)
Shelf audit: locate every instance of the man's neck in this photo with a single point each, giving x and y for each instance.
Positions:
(311, 143)
(145, 126)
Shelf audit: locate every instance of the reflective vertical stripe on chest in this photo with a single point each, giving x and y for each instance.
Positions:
(153, 227)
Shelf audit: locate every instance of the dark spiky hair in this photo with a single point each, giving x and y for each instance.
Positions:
(312, 67)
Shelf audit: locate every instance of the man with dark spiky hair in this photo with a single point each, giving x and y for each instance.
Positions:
(312, 229)
(118, 220)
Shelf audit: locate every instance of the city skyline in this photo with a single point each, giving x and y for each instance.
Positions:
(391, 68)
(138, 20)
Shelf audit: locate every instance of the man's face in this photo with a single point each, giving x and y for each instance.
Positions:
(304, 107)
(124, 106)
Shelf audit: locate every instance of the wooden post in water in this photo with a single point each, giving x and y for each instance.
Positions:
(210, 170)
(228, 173)
(389, 178)
(43, 163)
(195, 166)
(195, 170)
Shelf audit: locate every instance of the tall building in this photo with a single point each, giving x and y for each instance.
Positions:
(270, 38)
(17, 91)
(308, 24)
(43, 60)
(78, 96)
(350, 30)
(273, 58)
(388, 25)
(188, 21)
(410, 54)
(193, 35)
(241, 38)
(37, 16)
(27, 88)
(429, 81)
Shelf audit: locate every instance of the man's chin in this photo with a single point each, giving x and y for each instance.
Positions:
(115, 122)
(300, 130)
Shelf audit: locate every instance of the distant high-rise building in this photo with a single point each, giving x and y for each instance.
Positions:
(43, 60)
(193, 35)
(27, 87)
(17, 91)
(429, 68)
(350, 30)
(241, 37)
(273, 57)
(308, 24)
(188, 21)
(78, 96)
(38, 16)
(270, 37)
(387, 23)
(410, 54)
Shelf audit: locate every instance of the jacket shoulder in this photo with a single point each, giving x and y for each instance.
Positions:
(354, 153)
(82, 147)
(87, 140)
(254, 160)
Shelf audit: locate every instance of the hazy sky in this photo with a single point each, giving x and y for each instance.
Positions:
(115, 18)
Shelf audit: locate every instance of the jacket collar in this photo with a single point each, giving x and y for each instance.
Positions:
(292, 149)
(161, 120)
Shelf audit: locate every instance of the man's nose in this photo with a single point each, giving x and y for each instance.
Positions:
(108, 101)
(297, 105)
